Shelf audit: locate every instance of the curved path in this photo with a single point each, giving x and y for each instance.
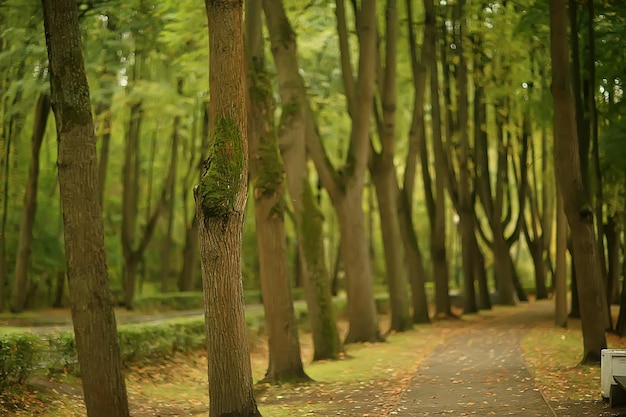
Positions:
(482, 372)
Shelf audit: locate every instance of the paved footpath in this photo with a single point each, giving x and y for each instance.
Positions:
(481, 372)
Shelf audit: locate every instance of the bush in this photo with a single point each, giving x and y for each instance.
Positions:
(21, 353)
(18, 357)
(194, 300)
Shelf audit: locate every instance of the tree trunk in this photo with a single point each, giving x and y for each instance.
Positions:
(170, 190)
(188, 274)
(92, 312)
(415, 262)
(560, 280)
(295, 121)
(361, 307)
(575, 198)
(613, 232)
(220, 207)
(436, 204)
(104, 112)
(267, 174)
(20, 282)
(383, 175)
(387, 195)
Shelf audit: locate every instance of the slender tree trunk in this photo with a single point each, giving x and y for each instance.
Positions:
(383, 175)
(295, 122)
(437, 206)
(361, 307)
(20, 282)
(415, 262)
(220, 207)
(613, 232)
(560, 287)
(104, 112)
(267, 173)
(575, 198)
(187, 275)
(166, 248)
(92, 312)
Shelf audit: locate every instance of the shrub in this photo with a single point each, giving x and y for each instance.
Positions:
(18, 358)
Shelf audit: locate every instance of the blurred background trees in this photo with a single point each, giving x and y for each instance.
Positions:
(460, 144)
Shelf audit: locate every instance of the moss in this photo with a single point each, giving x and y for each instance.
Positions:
(222, 181)
(288, 111)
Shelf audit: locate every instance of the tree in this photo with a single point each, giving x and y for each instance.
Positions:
(267, 174)
(220, 207)
(384, 177)
(345, 186)
(20, 281)
(92, 312)
(577, 208)
(308, 217)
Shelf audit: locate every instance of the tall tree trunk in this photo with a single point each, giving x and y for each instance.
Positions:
(267, 174)
(575, 198)
(560, 280)
(92, 312)
(383, 176)
(187, 275)
(415, 262)
(104, 112)
(130, 193)
(436, 204)
(466, 209)
(220, 207)
(166, 248)
(20, 282)
(295, 121)
(613, 232)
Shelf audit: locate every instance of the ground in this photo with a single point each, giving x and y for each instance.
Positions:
(369, 381)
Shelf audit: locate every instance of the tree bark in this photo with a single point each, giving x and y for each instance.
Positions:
(415, 261)
(20, 280)
(92, 312)
(267, 173)
(436, 203)
(383, 174)
(170, 190)
(220, 207)
(575, 198)
(308, 218)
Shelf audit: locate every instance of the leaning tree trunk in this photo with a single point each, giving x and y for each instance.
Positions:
(575, 197)
(309, 220)
(92, 311)
(220, 207)
(20, 280)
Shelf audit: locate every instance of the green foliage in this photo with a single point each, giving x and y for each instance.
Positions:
(19, 354)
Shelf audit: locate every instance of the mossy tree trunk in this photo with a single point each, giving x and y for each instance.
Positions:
(92, 312)
(592, 297)
(267, 173)
(220, 208)
(308, 217)
(20, 280)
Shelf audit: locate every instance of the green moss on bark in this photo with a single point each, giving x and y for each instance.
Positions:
(221, 183)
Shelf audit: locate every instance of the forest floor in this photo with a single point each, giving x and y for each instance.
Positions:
(372, 380)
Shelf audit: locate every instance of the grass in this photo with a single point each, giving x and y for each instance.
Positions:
(368, 381)
(554, 355)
